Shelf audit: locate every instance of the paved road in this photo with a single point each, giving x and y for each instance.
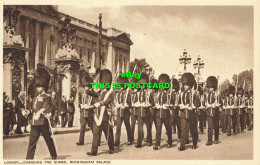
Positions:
(237, 147)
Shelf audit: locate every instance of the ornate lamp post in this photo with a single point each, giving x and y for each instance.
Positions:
(199, 64)
(14, 61)
(100, 40)
(184, 59)
(12, 15)
(66, 30)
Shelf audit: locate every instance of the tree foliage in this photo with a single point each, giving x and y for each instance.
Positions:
(141, 66)
(245, 77)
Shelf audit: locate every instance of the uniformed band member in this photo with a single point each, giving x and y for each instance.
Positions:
(188, 101)
(175, 108)
(41, 105)
(163, 113)
(230, 111)
(143, 113)
(212, 109)
(250, 109)
(240, 110)
(101, 116)
(86, 105)
(123, 103)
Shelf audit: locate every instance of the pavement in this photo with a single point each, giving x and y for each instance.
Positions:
(238, 147)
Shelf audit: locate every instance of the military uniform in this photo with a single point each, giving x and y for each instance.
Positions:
(144, 117)
(153, 98)
(231, 112)
(101, 122)
(123, 115)
(175, 117)
(224, 113)
(163, 117)
(250, 109)
(212, 110)
(86, 114)
(41, 104)
(201, 110)
(240, 111)
(133, 110)
(188, 103)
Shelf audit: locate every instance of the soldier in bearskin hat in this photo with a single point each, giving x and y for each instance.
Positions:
(153, 98)
(240, 110)
(230, 111)
(133, 108)
(175, 109)
(143, 113)
(42, 105)
(163, 113)
(188, 102)
(223, 108)
(212, 109)
(86, 105)
(101, 115)
(250, 109)
(123, 103)
(201, 109)
(246, 101)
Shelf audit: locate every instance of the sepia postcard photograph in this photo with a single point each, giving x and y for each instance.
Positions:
(105, 83)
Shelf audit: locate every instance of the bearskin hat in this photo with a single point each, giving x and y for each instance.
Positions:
(144, 78)
(251, 92)
(105, 76)
(212, 82)
(240, 91)
(42, 78)
(86, 79)
(175, 84)
(188, 79)
(231, 89)
(164, 78)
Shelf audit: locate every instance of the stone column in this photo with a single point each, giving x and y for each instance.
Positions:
(7, 67)
(27, 40)
(109, 58)
(37, 44)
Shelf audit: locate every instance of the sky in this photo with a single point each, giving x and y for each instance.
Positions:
(221, 35)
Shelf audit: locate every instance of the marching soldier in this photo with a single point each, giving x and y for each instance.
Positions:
(133, 109)
(143, 113)
(175, 107)
(101, 116)
(240, 110)
(230, 109)
(163, 113)
(250, 109)
(223, 110)
(212, 109)
(201, 109)
(152, 100)
(88, 98)
(40, 124)
(188, 101)
(123, 102)
(246, 94)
